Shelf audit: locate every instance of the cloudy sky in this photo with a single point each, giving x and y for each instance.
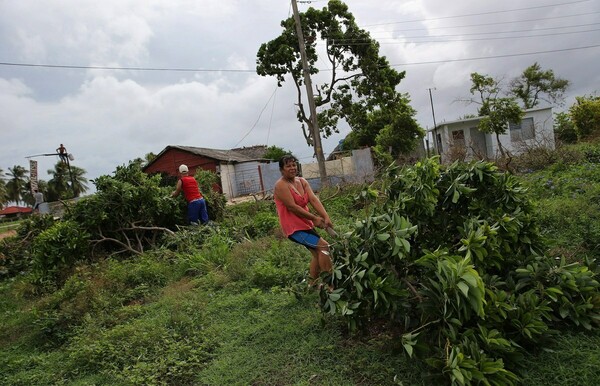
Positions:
(55, 88)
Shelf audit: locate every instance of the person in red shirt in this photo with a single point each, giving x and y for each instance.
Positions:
(292, 195)
(196, 203)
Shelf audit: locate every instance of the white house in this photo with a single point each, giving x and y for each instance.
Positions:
(462, 138)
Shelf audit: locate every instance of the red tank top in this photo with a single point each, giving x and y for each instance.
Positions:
(290, 222)
(190, 188)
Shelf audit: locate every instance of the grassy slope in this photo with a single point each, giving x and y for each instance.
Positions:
(228, 315)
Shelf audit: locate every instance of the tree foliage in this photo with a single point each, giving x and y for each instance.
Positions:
(3, 191)
(362, 86)
(454, 255)
(275, 153)
(16, 185)
(497, 112)
(585, 115)
(535, 85)
(128, 213)
(66, 182)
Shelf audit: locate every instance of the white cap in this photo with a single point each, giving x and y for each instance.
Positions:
(183, 169)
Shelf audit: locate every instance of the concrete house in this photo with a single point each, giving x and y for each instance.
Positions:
(238, 168)
(462, 139)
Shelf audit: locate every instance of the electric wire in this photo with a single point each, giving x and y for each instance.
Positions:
(403, 41)
(477, 14)
(258, 119)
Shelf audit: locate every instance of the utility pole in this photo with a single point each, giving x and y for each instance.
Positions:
(316, 133)
(434, 125)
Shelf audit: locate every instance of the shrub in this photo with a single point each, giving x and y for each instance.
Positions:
(15, 252)
(56, 250)
(215, 200)
(585, 114)
(454, 254)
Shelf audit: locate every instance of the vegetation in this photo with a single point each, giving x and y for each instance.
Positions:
(535, 85)
(462, 286)
(361, 89)
(66, 182)
(15, 187)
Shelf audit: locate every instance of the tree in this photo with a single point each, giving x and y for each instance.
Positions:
(360, 83)
(535, 85)
(60, 185)
(3, 191)
(585, 114)
(564, 128)
(275, 153)
(497, 112)
(16, 185)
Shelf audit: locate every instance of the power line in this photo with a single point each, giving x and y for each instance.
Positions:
(403, 41)
(492, 33)
(494, 56)
(495, 23)
(258, 119)
(479, 14)
(323, 70)
(62, 66)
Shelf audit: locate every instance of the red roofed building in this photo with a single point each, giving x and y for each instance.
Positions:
(15, 211)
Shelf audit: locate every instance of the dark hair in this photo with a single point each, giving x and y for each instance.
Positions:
(286, 159)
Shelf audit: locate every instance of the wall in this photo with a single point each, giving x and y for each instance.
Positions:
(357, 169)
(241, 179)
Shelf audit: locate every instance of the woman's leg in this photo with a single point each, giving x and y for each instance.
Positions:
(321, 259)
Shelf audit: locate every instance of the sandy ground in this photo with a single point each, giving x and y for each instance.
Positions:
(4, 234)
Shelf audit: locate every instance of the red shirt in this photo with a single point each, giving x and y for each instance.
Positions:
(290, 222)
(190, 188)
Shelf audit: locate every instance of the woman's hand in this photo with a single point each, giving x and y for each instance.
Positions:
(319, 222)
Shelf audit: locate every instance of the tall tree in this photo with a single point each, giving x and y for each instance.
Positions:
(60, 186)
(360, 81)
(3, 191)
(17, 183)
(535, 85)
(497, 112)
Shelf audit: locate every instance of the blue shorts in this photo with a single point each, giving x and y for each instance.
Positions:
(309, 238)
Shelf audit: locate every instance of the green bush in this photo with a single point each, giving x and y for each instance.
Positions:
(215, 201)
(15, 252)
(455, 255)
(57, 249)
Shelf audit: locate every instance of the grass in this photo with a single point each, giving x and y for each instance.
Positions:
(230, 308)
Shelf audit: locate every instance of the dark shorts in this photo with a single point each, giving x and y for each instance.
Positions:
(309, 238)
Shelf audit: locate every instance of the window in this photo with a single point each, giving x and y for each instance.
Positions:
(458, 138)
(522, 131)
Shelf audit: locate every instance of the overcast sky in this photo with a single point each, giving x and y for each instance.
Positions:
(107, 117)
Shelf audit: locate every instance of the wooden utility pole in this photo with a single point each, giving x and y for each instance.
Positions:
(314, 123)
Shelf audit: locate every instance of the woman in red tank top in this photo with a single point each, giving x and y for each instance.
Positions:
(292, 196)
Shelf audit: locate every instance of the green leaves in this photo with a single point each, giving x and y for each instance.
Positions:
(452, 254)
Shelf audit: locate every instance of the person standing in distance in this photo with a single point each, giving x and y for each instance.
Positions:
(39, 199)
(292, 195)
(196, 204)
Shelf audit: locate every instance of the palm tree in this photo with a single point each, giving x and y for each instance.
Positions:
(17, 184)
(63, 184)
(3, 192)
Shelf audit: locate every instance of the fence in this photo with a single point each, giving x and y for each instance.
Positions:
(357, 168)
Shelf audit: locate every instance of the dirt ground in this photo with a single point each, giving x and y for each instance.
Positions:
(4, 234)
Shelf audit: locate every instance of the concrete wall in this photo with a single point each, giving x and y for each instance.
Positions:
(356, 169)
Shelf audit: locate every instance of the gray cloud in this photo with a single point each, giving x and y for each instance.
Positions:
(108, 117)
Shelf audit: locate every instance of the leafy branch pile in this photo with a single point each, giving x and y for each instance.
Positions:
(452, 259)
